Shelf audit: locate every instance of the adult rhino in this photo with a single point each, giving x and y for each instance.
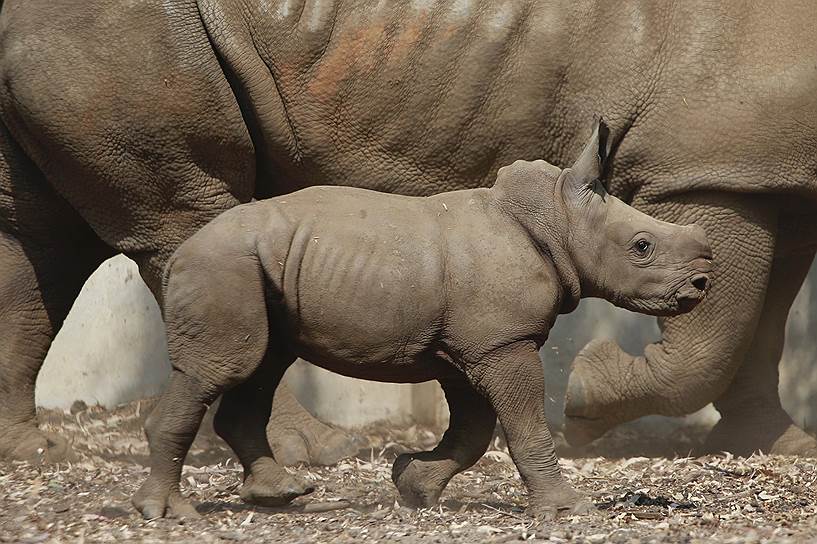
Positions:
(127, 126)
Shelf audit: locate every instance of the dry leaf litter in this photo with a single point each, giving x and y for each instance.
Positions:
(660, 499)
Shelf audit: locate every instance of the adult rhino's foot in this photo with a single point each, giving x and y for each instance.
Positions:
(771, 432)
(311, 442)
(296, 436)
(157, 499)
(270, 485)
(419, 479)
(795, 441)
(28, 443)
(591, 405)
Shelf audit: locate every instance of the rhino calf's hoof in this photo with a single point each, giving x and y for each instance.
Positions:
(270, 485)
(155, 499)
(417, 480)
(561, 501)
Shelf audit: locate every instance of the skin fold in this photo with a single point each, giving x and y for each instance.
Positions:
(126, 128)
(461, 287)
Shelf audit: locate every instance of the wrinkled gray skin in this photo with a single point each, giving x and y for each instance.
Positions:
(461, 287)
(127, 127)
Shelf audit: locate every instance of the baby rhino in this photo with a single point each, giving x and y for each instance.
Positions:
(461, 287)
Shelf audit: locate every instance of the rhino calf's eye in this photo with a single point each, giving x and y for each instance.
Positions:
(642, 246)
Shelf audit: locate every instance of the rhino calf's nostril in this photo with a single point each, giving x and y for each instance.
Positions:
(700, 282)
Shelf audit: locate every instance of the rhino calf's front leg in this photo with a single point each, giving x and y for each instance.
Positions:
(513, 381)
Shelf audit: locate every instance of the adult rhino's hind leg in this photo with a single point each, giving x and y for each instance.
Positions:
(421, 477)
(241, 421)
(297, 437)
(752, 417)
(38, 285)
(46, 254)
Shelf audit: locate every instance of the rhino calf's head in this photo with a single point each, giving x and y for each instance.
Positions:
(623, 255)
(600, 246)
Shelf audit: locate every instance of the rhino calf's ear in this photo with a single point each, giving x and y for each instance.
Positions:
(590, 164)
(604, 144)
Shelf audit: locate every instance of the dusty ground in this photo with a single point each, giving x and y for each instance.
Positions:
(661, 499)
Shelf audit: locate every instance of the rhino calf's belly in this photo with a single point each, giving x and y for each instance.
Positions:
(374, 342)
(380, 367)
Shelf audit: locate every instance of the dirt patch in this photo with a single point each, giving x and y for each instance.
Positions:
(640, 499)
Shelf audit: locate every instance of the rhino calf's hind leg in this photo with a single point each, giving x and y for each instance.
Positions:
(421, 477)
(218, 339)
(170, 429)
(241, 421)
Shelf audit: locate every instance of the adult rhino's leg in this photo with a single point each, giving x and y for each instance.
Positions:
(297, 437)
(752, 417)
(146, 164)
(38, 285)
(421, 477)
(46, 253)
(699, 352)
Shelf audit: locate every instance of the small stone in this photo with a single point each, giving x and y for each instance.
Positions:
(34, 539)
(78, 406)
(60, 507)
(231, 535)
(488, 530)
(113, 512)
